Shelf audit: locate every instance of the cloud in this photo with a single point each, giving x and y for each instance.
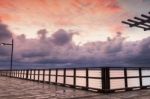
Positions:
(62, 37)
(5, 34)
(60, 48)
(146, 1)
(107, 6)
(34, 53)
(5, 37)
(143, 55)
(42, 33)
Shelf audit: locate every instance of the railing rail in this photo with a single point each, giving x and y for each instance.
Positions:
(99, 79)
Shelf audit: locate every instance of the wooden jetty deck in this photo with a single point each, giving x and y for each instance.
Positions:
(13, 88)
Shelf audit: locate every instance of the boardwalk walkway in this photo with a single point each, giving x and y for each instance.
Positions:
(11, 88)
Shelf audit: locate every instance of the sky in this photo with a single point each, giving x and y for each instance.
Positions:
(74, 31)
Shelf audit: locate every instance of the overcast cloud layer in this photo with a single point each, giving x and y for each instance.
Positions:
(60, 48)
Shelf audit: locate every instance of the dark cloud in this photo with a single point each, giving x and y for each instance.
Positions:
(61, 37)
(146, 1)
(5, 34)
(143, 55)
(33, 53)
(21, 37)
(5, 37)
(42, 33)
(4, 51)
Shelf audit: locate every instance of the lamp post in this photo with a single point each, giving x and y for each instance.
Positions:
(12, 48)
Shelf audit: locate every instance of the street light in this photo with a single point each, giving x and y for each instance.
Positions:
(12, 48)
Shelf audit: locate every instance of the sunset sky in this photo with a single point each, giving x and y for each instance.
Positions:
(74, 31)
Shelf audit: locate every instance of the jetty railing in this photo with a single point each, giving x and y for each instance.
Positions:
(99, 79)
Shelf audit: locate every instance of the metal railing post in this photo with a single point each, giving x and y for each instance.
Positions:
(27, 73)
(140, 77)
(64, 76)
(56, 76)
(34, 74)
(87, 78)
(74, 77)
(38, 75)
(43, 75)
(105, 80)
(125, 79)
(49, 76)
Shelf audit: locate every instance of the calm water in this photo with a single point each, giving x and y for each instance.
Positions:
(96, 83)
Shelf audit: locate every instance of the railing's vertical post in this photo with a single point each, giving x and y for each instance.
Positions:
(105, 80)
(87, 78)
(140, 77)
(74, 77)
(56, 76)
(15, 73)
(18, 74)
(49, 76)
(27, 73)
(8, 73)
(23, 74)
(30, 74)
(38, 75)
(34, 74)
(64, 76)
(125, 79)
(11, 74)
(5, 73)
(43, 75)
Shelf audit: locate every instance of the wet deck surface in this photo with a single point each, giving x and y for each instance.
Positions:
(11, 88)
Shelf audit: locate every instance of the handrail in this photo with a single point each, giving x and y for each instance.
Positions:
(99, 79)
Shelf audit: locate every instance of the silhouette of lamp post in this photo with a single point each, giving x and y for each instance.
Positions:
(12, 48)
